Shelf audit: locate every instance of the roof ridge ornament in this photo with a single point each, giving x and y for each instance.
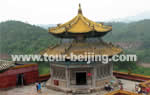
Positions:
(79, 10)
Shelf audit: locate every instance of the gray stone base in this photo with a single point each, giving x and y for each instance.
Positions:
(83, 88)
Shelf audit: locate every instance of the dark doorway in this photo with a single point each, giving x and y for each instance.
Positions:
(81, 78)
(20, 79)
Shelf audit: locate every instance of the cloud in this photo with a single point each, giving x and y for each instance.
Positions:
(60, 11)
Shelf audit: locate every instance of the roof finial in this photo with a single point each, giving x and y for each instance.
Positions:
(79, 10)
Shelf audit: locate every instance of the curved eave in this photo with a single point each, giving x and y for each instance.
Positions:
(74, 35)
(110, 53)
(96, 29)
(80, 25)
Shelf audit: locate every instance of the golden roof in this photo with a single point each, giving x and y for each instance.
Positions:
(80, 24)
(122, 92)
(80, 48)
(145, 84)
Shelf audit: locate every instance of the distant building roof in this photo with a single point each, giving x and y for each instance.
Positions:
(145, 84)
(6, 64)
(121, 92)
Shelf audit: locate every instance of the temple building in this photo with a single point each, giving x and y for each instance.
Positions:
(79, 36)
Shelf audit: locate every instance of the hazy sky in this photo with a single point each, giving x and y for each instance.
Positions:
(60, 11)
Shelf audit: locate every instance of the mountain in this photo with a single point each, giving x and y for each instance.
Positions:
(46, 26)
(134, 31)
(134, 38)
(138, 17)
(19, 38)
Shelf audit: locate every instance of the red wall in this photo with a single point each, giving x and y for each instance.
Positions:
(31, 77)
(7, 81)
(8, 78)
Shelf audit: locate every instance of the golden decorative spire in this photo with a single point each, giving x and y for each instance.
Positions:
(79, 10)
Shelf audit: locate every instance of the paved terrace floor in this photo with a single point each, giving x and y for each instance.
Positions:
(31, 90)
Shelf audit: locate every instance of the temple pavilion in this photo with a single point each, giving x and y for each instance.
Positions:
(78, 36)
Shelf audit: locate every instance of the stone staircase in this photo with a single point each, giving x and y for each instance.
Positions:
(81, 91)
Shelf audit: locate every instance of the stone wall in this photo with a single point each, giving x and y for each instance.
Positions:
(103, 70)
(59, 73)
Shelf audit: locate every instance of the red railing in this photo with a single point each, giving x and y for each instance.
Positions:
(43, 77)
(132, 76)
